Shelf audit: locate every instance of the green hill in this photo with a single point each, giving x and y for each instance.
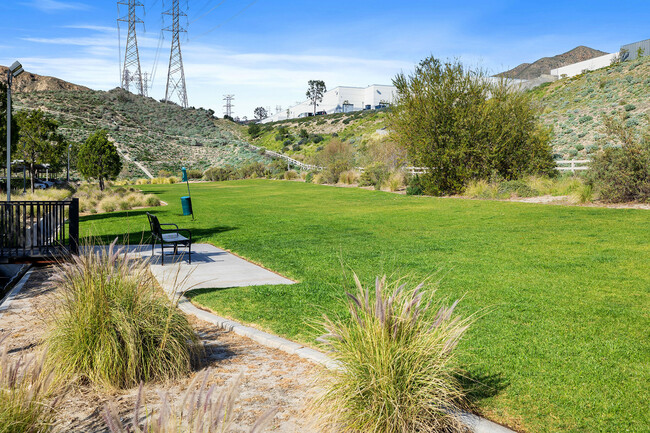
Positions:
(156, 135)
(575, 106)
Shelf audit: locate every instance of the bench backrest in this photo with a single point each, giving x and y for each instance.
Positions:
(155, 226)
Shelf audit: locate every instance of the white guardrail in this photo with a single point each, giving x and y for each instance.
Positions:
(568, 165)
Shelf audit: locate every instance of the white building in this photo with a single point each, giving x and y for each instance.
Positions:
(342, 99)
(580, 67)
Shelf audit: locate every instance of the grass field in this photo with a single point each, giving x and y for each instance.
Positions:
(562, 343)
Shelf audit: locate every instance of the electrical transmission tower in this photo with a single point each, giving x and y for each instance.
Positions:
(131, 72)
(229, 104)
(176, 73)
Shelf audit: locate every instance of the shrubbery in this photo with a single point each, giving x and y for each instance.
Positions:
(459, 125)
(622, 173)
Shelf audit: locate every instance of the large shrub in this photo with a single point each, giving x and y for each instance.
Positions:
(112, 324)
(462, 126)
(396, 359)
(622, 173)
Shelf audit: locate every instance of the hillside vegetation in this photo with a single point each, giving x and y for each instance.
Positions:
(159, 136)
(575, 106)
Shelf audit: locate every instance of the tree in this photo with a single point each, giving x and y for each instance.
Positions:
(462, 126)
(254, 130)
(39, 142)
(260, 113)
(315, 92)
(98, 158)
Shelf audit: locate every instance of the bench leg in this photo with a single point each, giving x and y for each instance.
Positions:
(162, 253)
(189, 249)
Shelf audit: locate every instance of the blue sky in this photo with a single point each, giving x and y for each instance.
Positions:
(265, 51)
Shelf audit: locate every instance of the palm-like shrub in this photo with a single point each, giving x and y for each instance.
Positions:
(24, 395)
(397, 369)
(113, 326)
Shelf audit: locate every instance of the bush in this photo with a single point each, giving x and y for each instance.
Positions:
(349, 177)
(291, 175)
(152, 200)
(622, 174)
(24, 390)
(112, 325)
(414, 186)
(194, 174)
(374, 175)
(397, 367)
(463, 127)
(254, 130)
(109, 204)
(219, 174)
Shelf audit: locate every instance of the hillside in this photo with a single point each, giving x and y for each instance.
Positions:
(158, 136)
(28, 82)
(528, 71)
(575, 106)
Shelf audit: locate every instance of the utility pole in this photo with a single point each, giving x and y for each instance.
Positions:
(229, 104)
(176, 73)
(131, 72)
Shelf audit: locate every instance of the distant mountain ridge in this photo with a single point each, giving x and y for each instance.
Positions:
(528, 71)
(29, 82)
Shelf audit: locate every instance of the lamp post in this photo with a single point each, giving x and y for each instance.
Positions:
(67, 173)
(14, 71)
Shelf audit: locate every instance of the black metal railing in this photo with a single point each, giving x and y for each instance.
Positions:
(36, 229)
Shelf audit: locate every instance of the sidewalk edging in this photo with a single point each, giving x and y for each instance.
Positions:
(476, 423)
(6, 302)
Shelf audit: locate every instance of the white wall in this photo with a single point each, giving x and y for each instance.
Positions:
(587, 65)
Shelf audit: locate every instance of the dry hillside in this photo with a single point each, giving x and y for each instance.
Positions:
(528, 71)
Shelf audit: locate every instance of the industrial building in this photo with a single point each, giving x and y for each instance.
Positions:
(342, 99)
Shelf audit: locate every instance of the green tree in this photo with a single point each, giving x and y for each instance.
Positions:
(98, 158)
(254, 130)
(260, 113)
(39, 142)
(462, 126)
(315, 92)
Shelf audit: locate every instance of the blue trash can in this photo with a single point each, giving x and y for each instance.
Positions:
(186, 202)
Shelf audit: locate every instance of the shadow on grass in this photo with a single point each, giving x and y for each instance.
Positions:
(479, 385)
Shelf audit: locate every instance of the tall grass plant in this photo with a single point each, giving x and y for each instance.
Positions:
(397, 366)
(112, 324)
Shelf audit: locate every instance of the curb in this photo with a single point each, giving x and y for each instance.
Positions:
(5, 303)
(476, 423)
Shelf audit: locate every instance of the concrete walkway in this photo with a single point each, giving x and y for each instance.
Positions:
(211, 268)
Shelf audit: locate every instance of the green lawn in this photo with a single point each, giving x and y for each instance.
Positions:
(564, 344)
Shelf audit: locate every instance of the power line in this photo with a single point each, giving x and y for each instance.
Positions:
(228, 20)
(213, 8)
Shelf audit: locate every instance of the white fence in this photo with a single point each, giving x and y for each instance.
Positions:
(568, 165)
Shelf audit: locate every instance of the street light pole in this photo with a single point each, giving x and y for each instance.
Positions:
(9, 77)
(14, 70)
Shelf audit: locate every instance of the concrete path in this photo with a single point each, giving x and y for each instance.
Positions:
(211, 268)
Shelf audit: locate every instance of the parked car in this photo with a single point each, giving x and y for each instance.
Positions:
(321, 113)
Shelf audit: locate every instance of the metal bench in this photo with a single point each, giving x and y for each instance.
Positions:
(169, 237)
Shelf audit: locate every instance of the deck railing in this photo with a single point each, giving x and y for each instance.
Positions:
(38, 229)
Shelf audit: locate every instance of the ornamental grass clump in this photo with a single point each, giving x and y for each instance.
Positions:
(397, 368)
(113, 326)
(25, 388)
(201, 410)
